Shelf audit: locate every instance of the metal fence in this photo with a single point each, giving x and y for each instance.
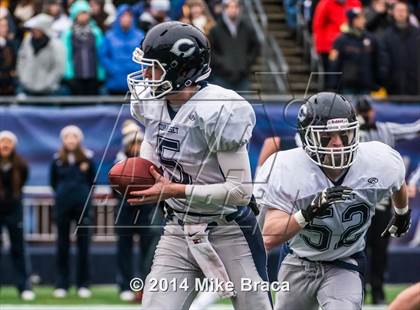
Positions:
(38, 203)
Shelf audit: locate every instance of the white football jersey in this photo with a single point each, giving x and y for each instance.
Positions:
(289, 181)
(214, 119)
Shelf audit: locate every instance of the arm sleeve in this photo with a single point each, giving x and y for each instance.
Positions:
(237, 188)
(404, 131)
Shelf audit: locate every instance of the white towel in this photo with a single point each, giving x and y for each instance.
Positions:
(206, 257)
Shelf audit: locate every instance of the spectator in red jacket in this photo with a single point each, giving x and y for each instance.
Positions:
(329, 16)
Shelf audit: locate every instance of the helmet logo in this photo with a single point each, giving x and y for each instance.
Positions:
(302, 113)
(183, 48)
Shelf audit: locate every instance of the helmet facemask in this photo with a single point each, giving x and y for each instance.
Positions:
(317, 138)
(138, 83)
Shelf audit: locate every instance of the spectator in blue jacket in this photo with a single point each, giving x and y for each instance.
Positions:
(71, 176)
(118, 45)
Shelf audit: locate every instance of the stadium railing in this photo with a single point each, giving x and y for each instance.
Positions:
(271, 79)
(304, 38)
(38, 204)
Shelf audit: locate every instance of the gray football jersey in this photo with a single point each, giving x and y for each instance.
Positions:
(289, 181)
(214, 120)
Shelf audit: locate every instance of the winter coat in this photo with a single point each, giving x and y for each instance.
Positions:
(116, 51)
(357, 58)
(329, 16)
(75, 9)
(400, 61)
(232, 57)
(40, 70)
(8, 56)
(71, 182)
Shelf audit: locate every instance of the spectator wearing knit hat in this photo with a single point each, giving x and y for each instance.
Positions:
(82, 42)
(354, 57)
(72, 175)
(13, 175)
(145, 222)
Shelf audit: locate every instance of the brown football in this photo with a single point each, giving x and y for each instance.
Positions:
(131, 174)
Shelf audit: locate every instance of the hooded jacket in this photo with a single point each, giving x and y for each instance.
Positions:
(329, 16)
(40, 72)
(75, 9)
(115, 53)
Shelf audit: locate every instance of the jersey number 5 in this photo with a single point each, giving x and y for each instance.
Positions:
(175, 168)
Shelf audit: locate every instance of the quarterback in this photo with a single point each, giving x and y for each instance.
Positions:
(198, 134)
(320, 199)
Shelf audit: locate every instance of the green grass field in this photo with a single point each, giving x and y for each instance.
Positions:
(108, 295)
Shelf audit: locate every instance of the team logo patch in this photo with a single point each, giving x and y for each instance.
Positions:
(183, 48)
(303, 111)
(373, 180)
(192, 116)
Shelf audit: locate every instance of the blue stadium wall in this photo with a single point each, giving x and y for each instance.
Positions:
(38, 130)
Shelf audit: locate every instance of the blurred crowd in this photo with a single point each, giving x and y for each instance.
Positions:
(80, 47)
(364, 46)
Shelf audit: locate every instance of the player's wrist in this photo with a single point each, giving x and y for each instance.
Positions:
(300, 218)
(176, 190)
(401, 211)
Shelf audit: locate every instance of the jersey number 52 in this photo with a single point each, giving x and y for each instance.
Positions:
(348, 237)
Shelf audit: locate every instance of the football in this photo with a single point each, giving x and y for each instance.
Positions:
(131, 174)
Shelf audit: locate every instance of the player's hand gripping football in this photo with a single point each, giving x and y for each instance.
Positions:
(158, 192)
(398, 225)
(324, 199)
